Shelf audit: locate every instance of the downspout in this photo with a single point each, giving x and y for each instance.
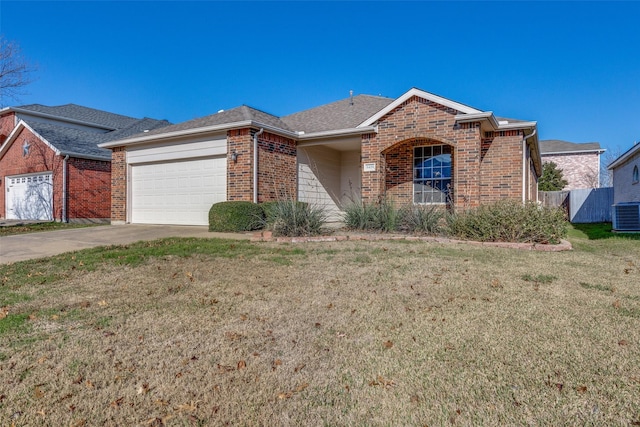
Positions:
(64, 189)
(255, 164)
(524, 167)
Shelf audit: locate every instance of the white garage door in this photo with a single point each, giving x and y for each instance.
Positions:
(177, 192)
(29, 196)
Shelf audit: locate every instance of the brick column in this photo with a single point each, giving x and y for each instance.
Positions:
(118, 185)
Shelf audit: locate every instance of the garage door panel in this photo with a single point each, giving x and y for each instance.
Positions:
(29, 197)
(179, 192)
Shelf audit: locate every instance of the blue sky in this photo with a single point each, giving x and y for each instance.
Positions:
(574, 67)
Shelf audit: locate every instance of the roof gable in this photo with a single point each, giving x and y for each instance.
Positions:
(421, 94)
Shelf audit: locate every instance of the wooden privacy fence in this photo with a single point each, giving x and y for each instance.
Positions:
(585, 205)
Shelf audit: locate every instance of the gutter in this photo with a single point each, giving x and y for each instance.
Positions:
(157, 137)
(64, 189)
(598, 151)
(255, 164)
(524, 167)
(338, 132)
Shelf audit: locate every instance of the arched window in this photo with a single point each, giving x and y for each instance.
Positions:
(635, 175)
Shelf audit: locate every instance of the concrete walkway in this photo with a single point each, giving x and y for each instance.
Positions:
(38, 245)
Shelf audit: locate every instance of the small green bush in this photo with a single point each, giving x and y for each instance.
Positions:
(291, 218)
(422, 219)
(509, 221)
(382, 216)
(235, 216)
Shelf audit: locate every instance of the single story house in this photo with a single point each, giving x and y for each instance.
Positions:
(579, 162)
(51, 167)
(626, 190)
(418, 148)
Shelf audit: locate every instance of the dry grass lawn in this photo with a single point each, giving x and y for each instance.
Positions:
(341, 333)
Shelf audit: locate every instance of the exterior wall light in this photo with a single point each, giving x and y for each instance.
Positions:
(234, 156)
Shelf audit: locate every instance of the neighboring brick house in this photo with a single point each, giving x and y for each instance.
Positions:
(51, 167)
(579, 162)
(419, 148)
(626, 190)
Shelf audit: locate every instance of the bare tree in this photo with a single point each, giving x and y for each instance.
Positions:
(606, 176)
(15, 71)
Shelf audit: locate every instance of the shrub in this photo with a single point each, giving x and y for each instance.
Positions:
(235, 216)
(509, 221)
(381, 216)
(424, 219)
(291, 218)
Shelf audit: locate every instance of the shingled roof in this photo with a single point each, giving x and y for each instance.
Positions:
(344, 114)
(238, 114)
(558, 146)
(83, 143)
(84, 114)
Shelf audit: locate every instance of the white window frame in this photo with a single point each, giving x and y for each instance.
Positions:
(421, 190)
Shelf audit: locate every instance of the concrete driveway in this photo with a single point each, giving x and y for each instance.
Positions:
(38, 245)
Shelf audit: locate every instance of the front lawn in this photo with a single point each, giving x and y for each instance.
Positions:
(215, 332)
(41, 226)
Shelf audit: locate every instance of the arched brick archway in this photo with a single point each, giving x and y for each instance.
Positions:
(399, 168)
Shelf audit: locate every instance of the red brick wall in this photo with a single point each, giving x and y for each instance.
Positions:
(484, 169)
(7, 123)
(240, 173)
(118, 184)
(89, 189)
(40, 159)
(277, 177)
(501, 170)
(399, 169)
(277, 174)
(412, 123)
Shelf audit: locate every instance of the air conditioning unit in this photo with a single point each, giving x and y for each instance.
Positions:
(626, 217)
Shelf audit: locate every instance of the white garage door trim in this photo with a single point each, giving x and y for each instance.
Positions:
(177, 192)
(29, 196)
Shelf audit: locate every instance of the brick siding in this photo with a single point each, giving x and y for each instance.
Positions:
(118, 184)
(484, 169)
(581, 170)
(88, 191)
(277, 177)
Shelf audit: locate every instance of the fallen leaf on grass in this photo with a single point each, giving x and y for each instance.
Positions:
(616, 304)
(388, 344)
(241, 365)
(4, 312)
(382, 382)
(102, 303)
(581, 389)
(37, 392)
(286, 395)
(116, 403)
(144, 389)
(301, 387)
(186, 407)
(622, 342)
(299, 367)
